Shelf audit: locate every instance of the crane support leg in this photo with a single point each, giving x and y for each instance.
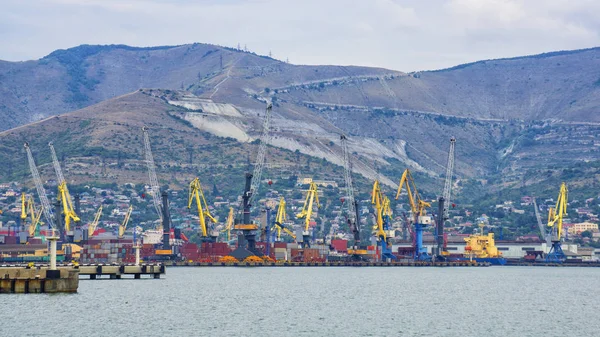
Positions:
(556, 253)
(420, 251)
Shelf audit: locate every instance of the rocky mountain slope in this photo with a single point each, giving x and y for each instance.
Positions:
(517, 121)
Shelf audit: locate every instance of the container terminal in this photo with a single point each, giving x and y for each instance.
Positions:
(275, 240)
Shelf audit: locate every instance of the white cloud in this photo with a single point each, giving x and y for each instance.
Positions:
(403, 35)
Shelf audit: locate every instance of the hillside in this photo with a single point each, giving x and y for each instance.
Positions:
(518, 121)
(103, 144)
(67, 80)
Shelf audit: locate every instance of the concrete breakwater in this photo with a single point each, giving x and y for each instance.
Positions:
(38, 279)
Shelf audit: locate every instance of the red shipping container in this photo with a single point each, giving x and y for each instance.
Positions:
(340, 245)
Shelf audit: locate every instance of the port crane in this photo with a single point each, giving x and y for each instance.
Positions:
(544, 235)
(555, 221)
(154, 188)
(280, 218)
(229, 223)
(247, 242)
(94, 224)
(28, 207)
(47, 210)
(262, 152)
(353, 214)
(312, 197)
(444, 203)
(382, 221)
(196, 194)
(419, 212)
(64, 196)
(123, 225)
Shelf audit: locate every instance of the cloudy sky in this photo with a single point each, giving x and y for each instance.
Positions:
(404, 35)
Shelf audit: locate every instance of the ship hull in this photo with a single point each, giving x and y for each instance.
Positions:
(496, 261)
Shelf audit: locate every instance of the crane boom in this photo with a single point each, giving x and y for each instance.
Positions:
(229, 223)
(555, 214)
(94, 224)
(63, 191)
(281, 218)
(543, 232)
(56, 164)
(353, 220)
(448, 182)
(312, 196)
(197, 194)
(378, 200)
(23, 207)
(40, 188)
(123, 225)
(152, 174)
(28, 207)
(418, 206)
(262, 151)
(555, 221)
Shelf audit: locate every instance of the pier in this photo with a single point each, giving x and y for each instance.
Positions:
(329, 264)
(40, 279)
(117, 271)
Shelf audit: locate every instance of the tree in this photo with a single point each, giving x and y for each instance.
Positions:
(586, 234)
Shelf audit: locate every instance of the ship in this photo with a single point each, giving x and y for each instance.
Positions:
(481, 247)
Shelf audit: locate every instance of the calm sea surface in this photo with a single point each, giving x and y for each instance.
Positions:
(494, 301)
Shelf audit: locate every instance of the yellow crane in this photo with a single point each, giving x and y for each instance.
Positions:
(555, 221)
(229, 223)
(418, 206)
(312, 196)
(94, 224)
(280, 219)
(382, 221)
(28, 206)
(377, 200)
(68, 210)
(123, 225)
(197, 194)
(419, 211)
(63, 193)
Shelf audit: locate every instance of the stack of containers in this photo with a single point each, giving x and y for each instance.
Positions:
(104, 251)
(341, 246)
(213, 250)
(262, 246)
(190, 251)
(311, 255)
(323, 250)
(291, 246)
(280, 251)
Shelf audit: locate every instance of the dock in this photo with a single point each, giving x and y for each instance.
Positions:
(117, 271)
(329, 264)
(38, 279)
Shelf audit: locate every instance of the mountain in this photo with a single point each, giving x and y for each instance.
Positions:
(517, 121)
(67, 80)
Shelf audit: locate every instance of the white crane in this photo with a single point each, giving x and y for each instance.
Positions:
(262, 151)
(353, 220)
(53, 238)
(448, 182)
(152, 174)
(48, 215)
(543, 233)
(56, 164)
(348, 178)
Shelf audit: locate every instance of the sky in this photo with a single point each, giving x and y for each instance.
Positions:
(405, 35)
